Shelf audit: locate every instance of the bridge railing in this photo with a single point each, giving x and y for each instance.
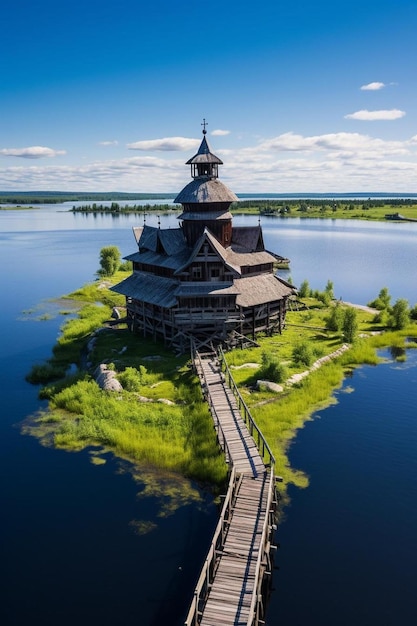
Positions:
(257, 608)
(209, 568)
(220, 433)
(256, 433)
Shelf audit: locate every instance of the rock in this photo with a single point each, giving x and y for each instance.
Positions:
(269, 386)
(166, 401)
(106, 379)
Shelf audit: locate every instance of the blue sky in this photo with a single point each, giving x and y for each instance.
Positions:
(299, 96)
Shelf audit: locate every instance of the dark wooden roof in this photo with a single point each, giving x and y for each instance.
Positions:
(204, 155)
(254, 290)
(149, 288)
(206, 289)
(248, 237)
(202, 190)
(209, 215)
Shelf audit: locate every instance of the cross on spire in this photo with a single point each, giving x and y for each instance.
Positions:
(204, 124)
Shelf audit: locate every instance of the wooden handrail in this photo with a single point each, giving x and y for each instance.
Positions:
(261, 442)
(266, 531)
(207, 572)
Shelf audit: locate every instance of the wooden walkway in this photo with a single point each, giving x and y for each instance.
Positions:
(236, 573)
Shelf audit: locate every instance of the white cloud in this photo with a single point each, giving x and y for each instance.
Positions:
(108, 143)
(167, 144)
(373, 86)
(219, 132)
(292, 163)
(370, 116)
(32, 152)
(341, 142)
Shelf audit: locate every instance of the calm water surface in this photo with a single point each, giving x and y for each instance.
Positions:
(68, 552)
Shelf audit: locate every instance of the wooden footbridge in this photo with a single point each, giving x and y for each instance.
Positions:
(235, 580)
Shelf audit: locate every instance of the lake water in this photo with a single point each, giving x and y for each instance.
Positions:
(69, 553)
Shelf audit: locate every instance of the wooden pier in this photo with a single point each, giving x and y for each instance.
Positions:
(235, 579)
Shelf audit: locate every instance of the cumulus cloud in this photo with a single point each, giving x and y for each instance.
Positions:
(373, 86)
(32, 152)
(168, 144)
(293, 163)
(337, 142)
(219, 132)
(108, 143)
(370, 116)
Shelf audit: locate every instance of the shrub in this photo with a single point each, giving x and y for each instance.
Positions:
(271, 369)
(109, 260)
(350, 325)
(334, 321)
(304, 290)
(382, 301)
(400, 314)
(132, 379)
(303, 354)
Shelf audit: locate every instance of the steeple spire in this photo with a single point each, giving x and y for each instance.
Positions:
(204, 163)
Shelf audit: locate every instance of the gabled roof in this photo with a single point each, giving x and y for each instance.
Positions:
(204, 155)
(216, 245)
(171, 241)
(249, 237)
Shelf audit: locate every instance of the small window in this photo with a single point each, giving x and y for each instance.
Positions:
(196, 273)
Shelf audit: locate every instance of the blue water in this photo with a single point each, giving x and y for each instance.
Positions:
(348, 545)
(68, 551)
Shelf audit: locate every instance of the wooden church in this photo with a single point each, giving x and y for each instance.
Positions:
(207, 281)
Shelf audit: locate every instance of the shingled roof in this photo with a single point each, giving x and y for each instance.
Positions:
(204, 154)
(255, 290)
(202, 190)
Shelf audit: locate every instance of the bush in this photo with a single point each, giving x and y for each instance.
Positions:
(334, 321)
(400, 314)
(132, 379)
(304, 290)
(350, 325)
(382, 301)
(303, 354)
(271, 369)
(109, 260)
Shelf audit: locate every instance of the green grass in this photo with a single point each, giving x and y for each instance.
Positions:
(178, 437)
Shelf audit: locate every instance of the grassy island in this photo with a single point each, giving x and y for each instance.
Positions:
(157, 418)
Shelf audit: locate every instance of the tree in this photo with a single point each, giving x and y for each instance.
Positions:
(335, 320)
(350, 325)
(109, 260)
(304, 290)
(400, 314)
(382, 301)
(329, 289)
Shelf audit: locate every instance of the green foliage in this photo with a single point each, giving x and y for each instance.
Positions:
(126, 266)
(382, 301)
(42, 373)
(334, 321)
(109, 260)
(350, 324)
(303, 353)
(132, 379)
(271, 369)
(329, 289)
(399, 314)
(304, 290)
(413, 312)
